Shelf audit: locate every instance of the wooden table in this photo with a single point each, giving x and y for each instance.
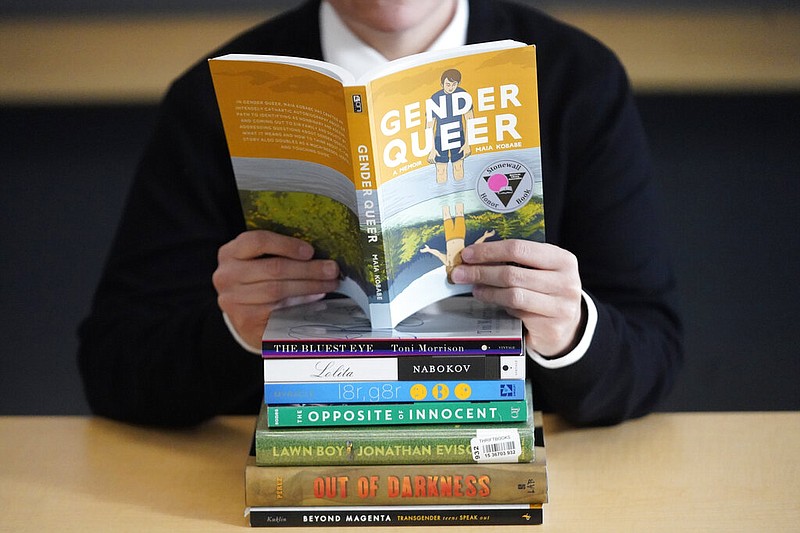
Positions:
(666, 472)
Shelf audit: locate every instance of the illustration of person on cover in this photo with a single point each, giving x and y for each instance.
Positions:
(449, 126)
(455, 233)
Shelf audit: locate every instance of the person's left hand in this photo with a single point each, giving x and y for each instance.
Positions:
(536, 282)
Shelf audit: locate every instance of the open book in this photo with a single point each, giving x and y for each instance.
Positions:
(334, 327)
(393, 174)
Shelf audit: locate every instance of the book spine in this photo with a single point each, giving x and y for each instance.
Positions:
(391, 347)
(475, 484)
(392, 391)
(396, 515)
(369, 214)
(396, 413)
(451, 444)
(450, 367)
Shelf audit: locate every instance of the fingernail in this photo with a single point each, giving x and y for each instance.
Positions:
(467, 254)
(330, 269)
(457, 275)
(306, 250)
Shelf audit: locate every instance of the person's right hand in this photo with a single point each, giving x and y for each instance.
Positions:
(260, 271)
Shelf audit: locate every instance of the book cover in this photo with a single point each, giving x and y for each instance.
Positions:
(349, 392)
(407, 368)
(413, 444)
(403, 484)
(463, 412)
(393, 174)
(339, 327)
(397, 515)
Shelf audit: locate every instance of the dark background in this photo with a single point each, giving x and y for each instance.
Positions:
(68, 7)
(728, 165)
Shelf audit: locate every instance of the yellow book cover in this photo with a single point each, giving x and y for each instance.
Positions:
(391, 174)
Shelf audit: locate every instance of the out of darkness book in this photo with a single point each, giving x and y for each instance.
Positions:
(404, 484)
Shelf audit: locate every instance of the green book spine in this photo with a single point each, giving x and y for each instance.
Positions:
(396, 414)
(412, 444)
(411, 484)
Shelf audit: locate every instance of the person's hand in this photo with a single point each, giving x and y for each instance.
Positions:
(260, 271)
(536, 282)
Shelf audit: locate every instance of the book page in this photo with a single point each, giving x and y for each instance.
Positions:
(287, 133)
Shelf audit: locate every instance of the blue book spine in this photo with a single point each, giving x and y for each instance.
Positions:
(392, 391)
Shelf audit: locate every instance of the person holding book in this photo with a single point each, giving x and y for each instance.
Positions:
(186, 292)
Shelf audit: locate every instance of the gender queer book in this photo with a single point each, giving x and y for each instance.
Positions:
(416, 444)
(339, 328)
(391, 174)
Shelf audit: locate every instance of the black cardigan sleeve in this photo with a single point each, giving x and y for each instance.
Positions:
(601, 204)
(154, 348)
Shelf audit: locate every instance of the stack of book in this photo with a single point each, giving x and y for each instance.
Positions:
(430, 423)
(391, 175)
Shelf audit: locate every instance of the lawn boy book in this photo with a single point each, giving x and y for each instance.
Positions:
(415, 444)
(391, 174)
(402, 484)
(398, 515)
(339, 327)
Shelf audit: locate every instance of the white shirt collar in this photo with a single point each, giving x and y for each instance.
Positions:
(341, 47)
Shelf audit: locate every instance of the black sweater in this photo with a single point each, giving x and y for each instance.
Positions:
(155, 350)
